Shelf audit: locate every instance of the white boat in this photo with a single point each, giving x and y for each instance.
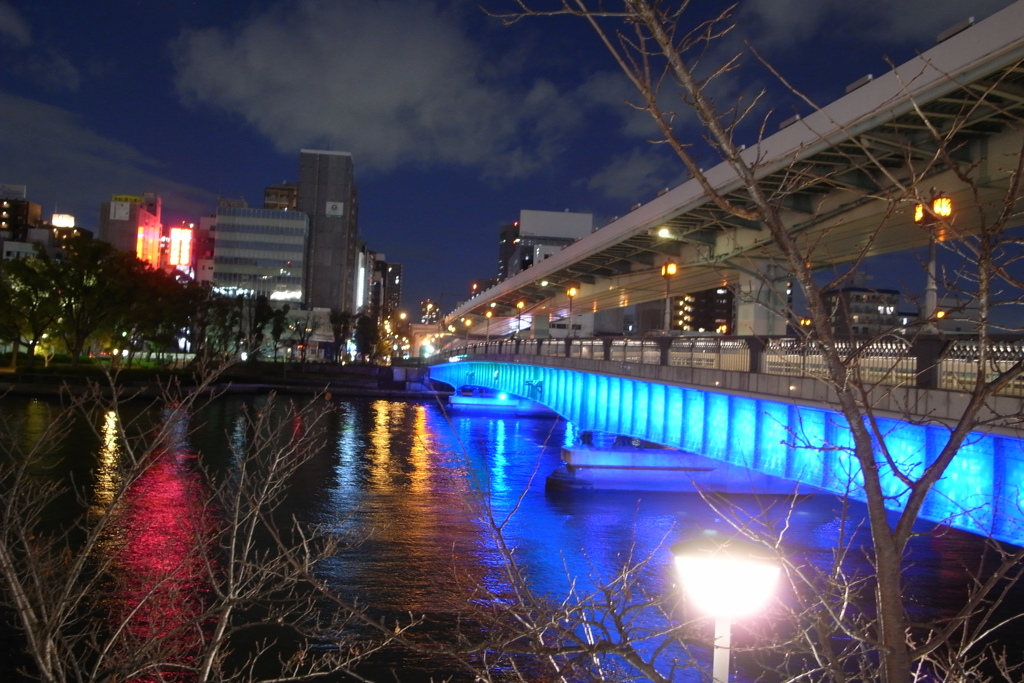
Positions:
(474, 398)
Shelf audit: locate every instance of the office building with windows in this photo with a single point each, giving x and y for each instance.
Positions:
(259, 251)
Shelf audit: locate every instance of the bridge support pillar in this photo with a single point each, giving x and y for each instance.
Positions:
(541, 325)
(762, 295)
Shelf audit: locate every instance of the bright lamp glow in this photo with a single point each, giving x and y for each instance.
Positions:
(942, 207)
(725, 578)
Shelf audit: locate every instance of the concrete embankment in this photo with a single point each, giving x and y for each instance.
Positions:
(312, 379)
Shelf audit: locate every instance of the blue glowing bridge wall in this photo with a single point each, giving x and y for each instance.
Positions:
(980, 492)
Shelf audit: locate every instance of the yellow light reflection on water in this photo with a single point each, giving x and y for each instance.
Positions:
(108, 471)
(380, 444)
(419, 452)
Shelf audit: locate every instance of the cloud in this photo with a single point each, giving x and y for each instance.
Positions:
(71, 169)
(637, 176)
(14, 30)
(43, 66)
(393, 81)
(51, 71)
(777, 23)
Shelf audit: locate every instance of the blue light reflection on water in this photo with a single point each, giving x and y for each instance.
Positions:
(421, 512)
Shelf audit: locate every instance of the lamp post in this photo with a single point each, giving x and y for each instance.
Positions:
(727, 579)
(520, 305)
(469, 323)
(941, 209)
(489, 315)
(668, 269)
(571, 293)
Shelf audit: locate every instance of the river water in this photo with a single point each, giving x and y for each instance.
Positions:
(422, 491)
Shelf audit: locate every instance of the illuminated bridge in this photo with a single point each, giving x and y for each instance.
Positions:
(840, 174)
(756, 410)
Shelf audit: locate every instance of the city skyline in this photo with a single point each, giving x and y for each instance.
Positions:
(455, 122)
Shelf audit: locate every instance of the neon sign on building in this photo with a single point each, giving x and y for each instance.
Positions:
(180, 253)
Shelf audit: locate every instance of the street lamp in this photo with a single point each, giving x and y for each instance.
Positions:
(668, 269)
(727, 579)
(469, 323)
(489, 315)
(571, 292)
(927, 217)
(520, 305)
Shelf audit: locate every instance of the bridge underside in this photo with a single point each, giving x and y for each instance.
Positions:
(981, 491)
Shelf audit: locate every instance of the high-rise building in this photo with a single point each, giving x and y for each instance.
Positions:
(862, 311)
(709, 310)
(283, 197)
(132, 224)
(392, 288)
(429, 312)
(536, 236)
(204, 245)
(327, 195)
(17, 216)
(259, 251)
(378, 285)
(508, 238)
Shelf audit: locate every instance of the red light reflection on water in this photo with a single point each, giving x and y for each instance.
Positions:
(159, 568)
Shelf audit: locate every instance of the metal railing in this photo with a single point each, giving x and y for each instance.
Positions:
(716, 353)
(959, 365)
(888, 361)
(928, 363)
(642, 351)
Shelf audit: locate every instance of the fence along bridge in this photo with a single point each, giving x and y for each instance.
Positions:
(758, 406)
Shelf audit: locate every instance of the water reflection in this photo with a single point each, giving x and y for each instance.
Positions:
(157, 543)
(416, 492)
(108, 472)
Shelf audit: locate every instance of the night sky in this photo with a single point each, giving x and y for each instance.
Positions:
(455, 121)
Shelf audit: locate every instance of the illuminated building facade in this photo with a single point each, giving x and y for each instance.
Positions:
(259, 251)
(328, 196)
(131, 223)
(180, 249)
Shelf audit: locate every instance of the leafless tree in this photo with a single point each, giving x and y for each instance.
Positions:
(670, 59)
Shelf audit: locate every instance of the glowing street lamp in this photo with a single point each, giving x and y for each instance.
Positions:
(469, 323)
(520, 305)
(727, 579)
(668, 269)
(571, 293)
(928, 217)
(489, 315)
